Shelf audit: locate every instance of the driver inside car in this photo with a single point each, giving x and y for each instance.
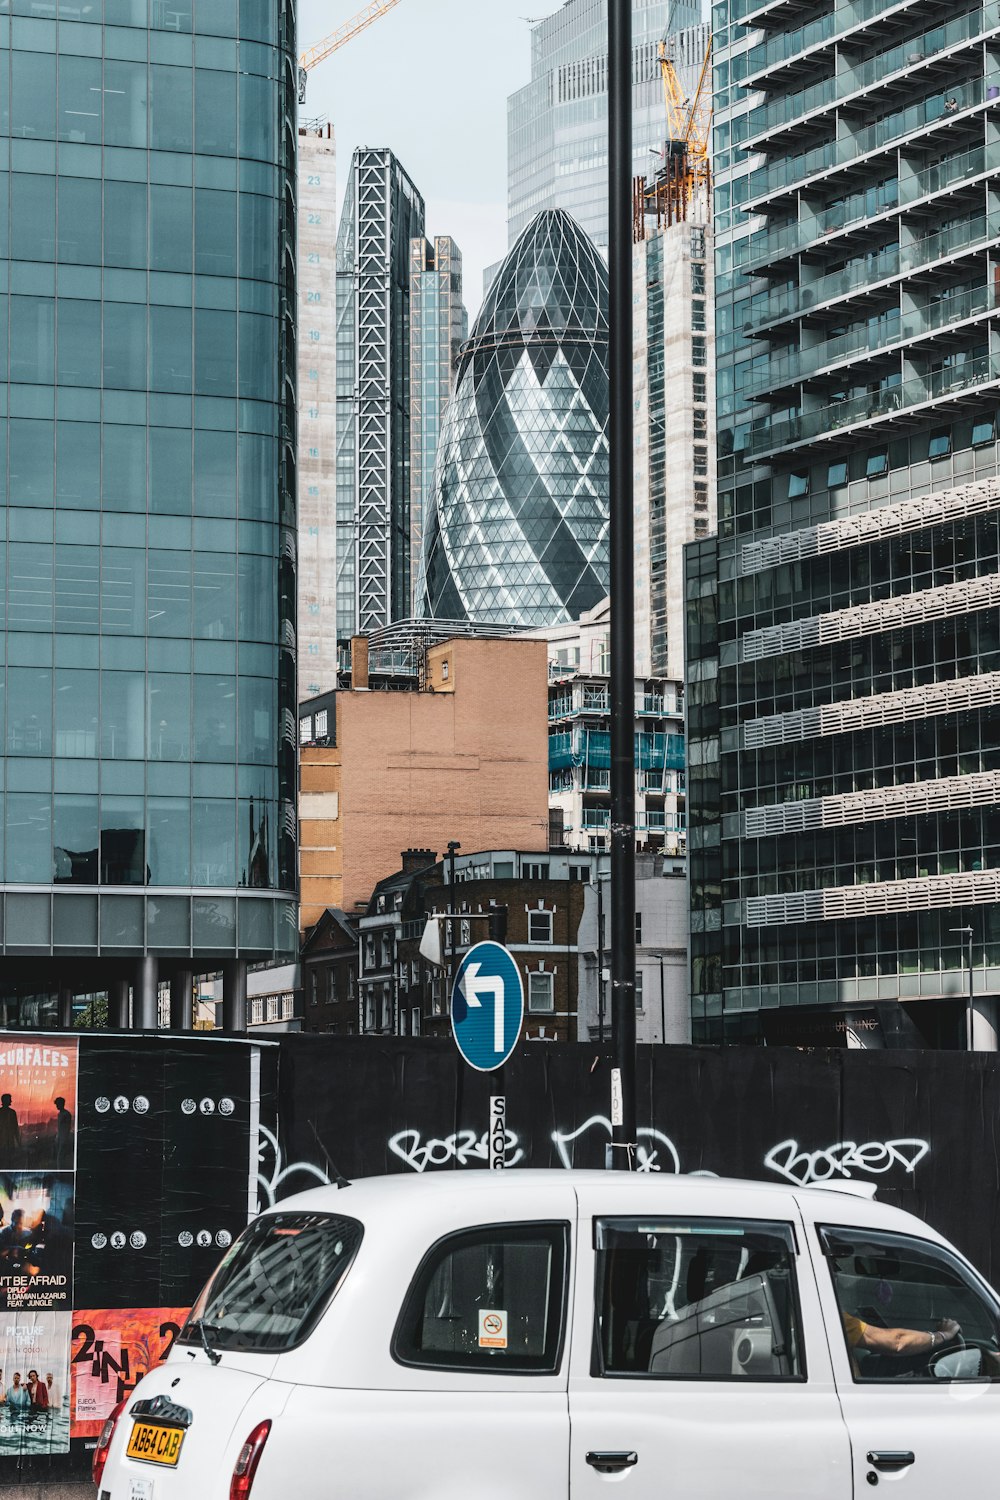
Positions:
(861, 1335)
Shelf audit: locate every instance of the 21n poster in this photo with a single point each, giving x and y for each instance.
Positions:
(113, 1348)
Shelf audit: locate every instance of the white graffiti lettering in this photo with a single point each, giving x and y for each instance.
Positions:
(872, 1158)
(465, 1148)
(655, 1152)
(268, 1186)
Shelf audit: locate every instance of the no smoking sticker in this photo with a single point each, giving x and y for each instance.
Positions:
(492, 1328)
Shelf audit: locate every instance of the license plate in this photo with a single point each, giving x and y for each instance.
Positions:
(154, 1444)
(140, 1489)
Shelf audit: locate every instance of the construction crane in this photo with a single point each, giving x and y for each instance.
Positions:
(686, 173)
(339, 38)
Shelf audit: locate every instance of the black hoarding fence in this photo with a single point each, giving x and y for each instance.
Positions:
(172, 1142)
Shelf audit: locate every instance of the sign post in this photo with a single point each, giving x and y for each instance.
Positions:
(487, 1009)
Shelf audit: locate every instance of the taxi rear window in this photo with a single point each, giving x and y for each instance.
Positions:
(274, 1283)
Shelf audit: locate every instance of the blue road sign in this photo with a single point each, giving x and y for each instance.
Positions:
(487, 1006)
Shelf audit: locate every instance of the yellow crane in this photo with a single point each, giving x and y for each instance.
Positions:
(687, 168)
(313, 56)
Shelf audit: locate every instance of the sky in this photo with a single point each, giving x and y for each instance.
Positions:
(430, 80)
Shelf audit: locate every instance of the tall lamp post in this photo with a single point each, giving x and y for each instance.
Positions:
(966, 932)
(622, 892)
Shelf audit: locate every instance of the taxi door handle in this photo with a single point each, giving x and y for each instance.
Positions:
(888, 1462)
(611, 1463)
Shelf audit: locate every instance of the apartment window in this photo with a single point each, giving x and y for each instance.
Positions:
(305, 730)
(698, 350)
(638, 926)
(836, 475)
(321, 724)
(798, 484)
(274, 1007)
(386, 951)
(698, 280)
(579, 872)
(541, 993)
(701, 460)
(465, 932)
(445, 671)
(700, 423)
(638, 990)
(698, 316)
(386, 1006)
(370, 1008)
(878, 463)
(698, 387)
(983, 432)
(697, 244)
(700, 495)
(939, 445)
(536, 872)
(256, 1012)
(369, 952)
(539, 927)
(415, 1021)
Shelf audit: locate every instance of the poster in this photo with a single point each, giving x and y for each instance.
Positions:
(111, 1351)
(38, 1106)
(34, 1383)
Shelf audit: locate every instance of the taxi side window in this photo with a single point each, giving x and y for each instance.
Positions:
(488, 1299)
(697, 1299)
(910, 1310)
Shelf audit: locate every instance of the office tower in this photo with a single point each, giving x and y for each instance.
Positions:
(317, 292)
(557, 124)
(843, 631)
(149, 793)
(382, 213)
(439, 324)
(519, 529)
(674, 468)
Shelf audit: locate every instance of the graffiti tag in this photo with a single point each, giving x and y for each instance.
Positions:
(465, 1148)
(844, 1159)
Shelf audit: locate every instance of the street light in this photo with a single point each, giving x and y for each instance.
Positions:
(966, 932)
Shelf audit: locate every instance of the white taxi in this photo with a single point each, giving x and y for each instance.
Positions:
(473, 1336)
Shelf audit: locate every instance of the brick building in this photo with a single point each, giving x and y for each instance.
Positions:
(457, 750)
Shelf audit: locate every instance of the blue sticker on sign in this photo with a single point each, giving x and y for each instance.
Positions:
(487, 1006)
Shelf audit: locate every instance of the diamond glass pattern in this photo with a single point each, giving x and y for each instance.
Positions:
(518, 529)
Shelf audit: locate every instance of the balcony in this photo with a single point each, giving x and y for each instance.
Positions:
(782, 48)
(903, 58)
(866, 273)
(823, 421)
(865, 341)
(788, 172)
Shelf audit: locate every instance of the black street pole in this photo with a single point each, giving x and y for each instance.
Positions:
(600, 956)
(622, 893)
(451, 905)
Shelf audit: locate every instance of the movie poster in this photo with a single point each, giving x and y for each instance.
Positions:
(34, 1383)
(38, 1106)
(36, 1241)
(37, 1103)
(112, 1350)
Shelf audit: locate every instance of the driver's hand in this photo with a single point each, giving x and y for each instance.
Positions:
(951, 1329)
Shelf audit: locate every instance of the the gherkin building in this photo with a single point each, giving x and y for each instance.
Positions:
(518, 531)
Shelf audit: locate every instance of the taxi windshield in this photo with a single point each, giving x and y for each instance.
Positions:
(274, 1283)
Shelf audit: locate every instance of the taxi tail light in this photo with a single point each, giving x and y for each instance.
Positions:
(246, 1464)
(104, 1441)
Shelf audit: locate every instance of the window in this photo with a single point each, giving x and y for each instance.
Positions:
(638, 926)
(275, 1282)
(702, 1299)
(798, 484)
(698, 349)
(896, 1295)
(541, 993)
(939, 445)
(370, 951)
(878, 463)
(536, 872)
(698, 389)
(698, 316)
(982, 431)
(539, 927)
(698, 280)
(836, 475)
(638, 989)
(492, 1298)
(444, 671)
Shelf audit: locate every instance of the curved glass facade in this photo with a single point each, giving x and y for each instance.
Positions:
(146, 239)
(518, 532)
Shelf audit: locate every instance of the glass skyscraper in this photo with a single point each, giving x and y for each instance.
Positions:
(382, 213)
(518, 533)
(844, 647)
(149, 463)
(439, 324)
(557, 125)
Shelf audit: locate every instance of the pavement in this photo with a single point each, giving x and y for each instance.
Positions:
(75, 1490)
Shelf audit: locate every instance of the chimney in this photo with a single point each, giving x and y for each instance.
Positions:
(359, 662)
(417, 859)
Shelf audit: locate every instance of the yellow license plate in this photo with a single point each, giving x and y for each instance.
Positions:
(154, 1444)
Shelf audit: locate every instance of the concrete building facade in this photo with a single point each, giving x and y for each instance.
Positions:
(843, 640)
(317, 409)
(458, 753)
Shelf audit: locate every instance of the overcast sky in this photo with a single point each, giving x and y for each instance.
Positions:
(430, 80)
